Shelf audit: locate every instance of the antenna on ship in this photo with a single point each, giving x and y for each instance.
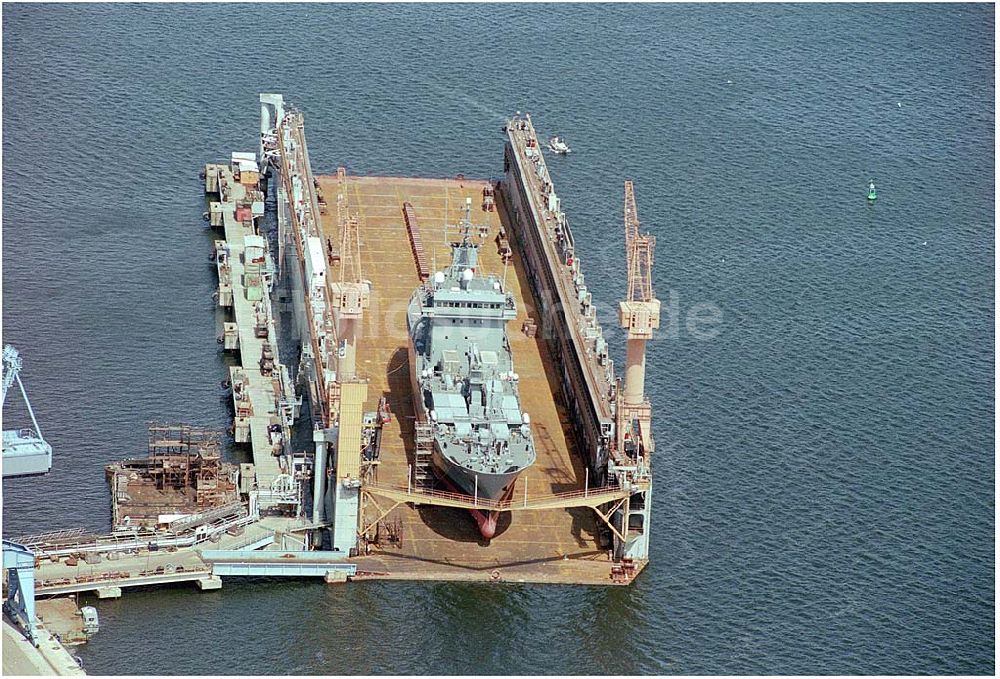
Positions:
(466, 224)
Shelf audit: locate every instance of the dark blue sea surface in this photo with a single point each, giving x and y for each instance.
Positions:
(824, 498)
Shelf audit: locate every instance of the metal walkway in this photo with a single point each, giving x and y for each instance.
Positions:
(273, 563)
(261, 392)
(578, 498)
(113, 568)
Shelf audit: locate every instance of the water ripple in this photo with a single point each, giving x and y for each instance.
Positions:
(824, 499)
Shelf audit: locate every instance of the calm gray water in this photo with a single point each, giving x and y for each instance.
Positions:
(825, 469)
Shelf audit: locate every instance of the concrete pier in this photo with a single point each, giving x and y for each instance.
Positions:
(50, 657)
(210, 583)
(335, 578)
(260, 385)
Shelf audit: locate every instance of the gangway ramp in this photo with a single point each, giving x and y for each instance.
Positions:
(276, 563)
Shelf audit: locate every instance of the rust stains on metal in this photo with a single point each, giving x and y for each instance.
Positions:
(182, 474)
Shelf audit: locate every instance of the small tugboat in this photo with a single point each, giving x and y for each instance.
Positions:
(872, 194)
(557, 145)
(91, 623)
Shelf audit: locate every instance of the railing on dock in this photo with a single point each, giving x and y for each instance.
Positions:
(588, 497)
(418, 247)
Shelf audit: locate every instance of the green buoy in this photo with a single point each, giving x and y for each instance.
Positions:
(872, 195)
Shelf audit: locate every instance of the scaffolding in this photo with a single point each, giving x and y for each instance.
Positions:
(423, 474)
(182, 474)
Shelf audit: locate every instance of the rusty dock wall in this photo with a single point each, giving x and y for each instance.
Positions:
(568, 322)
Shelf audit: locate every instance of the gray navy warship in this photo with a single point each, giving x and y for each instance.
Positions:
(464, 383)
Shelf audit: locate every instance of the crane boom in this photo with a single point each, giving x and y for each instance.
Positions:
(350, 250)
(638, 252)
(11, 372)
(639, 313)
(11, 368)
(631, 216)
(351, 293)
(640, 269)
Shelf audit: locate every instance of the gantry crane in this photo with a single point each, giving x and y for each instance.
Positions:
(24, 451)
(639, 315)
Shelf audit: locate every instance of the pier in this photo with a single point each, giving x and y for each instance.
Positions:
(107, 567)
(263, 400)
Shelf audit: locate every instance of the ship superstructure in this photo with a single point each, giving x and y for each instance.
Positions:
(464, 383)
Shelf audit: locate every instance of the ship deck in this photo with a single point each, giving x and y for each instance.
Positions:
(441, 543)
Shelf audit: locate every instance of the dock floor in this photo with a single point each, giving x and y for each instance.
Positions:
(440, 543)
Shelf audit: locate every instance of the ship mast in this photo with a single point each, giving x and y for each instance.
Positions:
(465, 253)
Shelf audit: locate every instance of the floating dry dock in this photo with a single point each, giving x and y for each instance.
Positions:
(350, 251)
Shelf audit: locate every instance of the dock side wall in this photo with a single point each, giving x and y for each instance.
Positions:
(565, 319)
(593, 431)
(293, 281)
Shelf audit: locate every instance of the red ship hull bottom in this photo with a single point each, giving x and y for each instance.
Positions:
(486, 520)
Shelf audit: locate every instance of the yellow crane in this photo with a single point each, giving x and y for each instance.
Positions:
(350, 297)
